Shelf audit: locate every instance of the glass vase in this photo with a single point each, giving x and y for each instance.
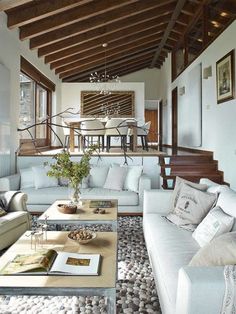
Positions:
(74, 194)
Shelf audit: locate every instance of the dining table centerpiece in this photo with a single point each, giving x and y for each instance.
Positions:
(72, 171)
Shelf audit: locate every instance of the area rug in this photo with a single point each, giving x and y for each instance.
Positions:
(136, 292)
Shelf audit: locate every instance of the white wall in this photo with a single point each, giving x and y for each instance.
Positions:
(151, 79)
(218, 121)
(11, 48)
(71, 95)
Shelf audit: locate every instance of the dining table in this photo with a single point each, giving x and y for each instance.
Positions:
(75, 124)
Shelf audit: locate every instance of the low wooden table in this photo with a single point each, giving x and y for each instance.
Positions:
(84, 215)
(102, 285)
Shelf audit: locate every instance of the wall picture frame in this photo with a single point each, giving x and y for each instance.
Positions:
(225, 77)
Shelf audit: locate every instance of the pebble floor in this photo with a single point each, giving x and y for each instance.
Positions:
(136, 292)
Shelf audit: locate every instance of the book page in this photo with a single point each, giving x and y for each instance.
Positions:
(76, 264)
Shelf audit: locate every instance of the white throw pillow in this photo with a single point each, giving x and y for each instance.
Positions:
(98, 176)
(115, 178)
(178, 185)
(219, 252)
(192, 206)
(41, 179)
(214, 224)
(132, 178)
(26, 178)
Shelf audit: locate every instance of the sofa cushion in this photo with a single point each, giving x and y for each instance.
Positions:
(171, 248)
(97, 176)
(178, 185)
(115, 178)
(46, 195)
(26, 178)
(192, 206)
(50, 195)
(213, 225)
(12, 220)
(219, 252)
(132, 178)
(41, 179)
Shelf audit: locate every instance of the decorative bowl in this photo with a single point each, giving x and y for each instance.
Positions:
(82, 236)
(67, 208)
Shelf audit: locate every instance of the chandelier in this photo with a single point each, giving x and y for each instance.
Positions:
(104, 80)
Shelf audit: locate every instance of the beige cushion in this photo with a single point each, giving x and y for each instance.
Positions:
(178, 184)
(115, 178)
(219, 252)
(192, 206)
(213, 225)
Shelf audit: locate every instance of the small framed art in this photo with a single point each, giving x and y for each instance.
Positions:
(225, 77)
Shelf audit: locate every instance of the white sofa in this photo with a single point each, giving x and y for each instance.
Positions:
(15, 222)
(182, 289)
(40, 199)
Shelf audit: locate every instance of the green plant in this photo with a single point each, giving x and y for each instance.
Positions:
(72, 170)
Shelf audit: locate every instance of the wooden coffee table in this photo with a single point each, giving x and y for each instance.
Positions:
(84, 215)
(103, 285)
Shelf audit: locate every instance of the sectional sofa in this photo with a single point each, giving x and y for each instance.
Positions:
(41, 195)
(182, 289)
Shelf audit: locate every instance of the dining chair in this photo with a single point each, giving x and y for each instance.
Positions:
(92, 131)
(116, 127)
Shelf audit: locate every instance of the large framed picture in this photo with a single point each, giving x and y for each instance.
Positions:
(225, 78)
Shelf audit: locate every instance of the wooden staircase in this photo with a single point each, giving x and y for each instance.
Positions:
(189, 167)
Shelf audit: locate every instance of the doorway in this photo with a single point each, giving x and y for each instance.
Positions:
(152, 115)
(174, 120)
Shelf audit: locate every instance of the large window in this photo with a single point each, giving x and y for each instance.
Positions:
(35, 104)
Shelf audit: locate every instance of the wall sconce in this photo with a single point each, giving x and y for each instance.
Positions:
(182, 90)
(207, 72)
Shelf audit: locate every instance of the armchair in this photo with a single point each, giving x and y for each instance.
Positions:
(15, 222)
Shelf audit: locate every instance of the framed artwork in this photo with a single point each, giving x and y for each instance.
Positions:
(225, 77)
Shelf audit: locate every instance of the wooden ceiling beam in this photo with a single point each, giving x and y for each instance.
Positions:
(96, 21)
(151, 26)
(118, 63)
(71, 16)
(39, 10)
(116, 53)
(103, 31)
(136, 60)
(179, 6)
(9, 4)
(112, 48)
(146, 49)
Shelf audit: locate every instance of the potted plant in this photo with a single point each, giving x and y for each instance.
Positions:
(74, 171)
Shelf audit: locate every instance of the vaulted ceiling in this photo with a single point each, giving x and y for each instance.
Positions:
(69, 34)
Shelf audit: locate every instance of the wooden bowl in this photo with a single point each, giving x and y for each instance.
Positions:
(67, 208)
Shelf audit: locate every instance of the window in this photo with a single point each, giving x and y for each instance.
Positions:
(35, 104)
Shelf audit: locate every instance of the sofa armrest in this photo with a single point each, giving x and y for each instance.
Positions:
(144, 184)
(200, 290)
(157, 201)
(18, 202)
(10, 183)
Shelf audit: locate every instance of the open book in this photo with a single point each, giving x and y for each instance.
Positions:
(53, 263)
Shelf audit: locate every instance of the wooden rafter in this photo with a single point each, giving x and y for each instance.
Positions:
(96, 21)
(179, 6)
(113, 48)
(39, 10)
(73, 15)
(9, 4)
(151, 26)
(103, 31)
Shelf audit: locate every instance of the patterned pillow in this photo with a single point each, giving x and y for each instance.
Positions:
(192, 206)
